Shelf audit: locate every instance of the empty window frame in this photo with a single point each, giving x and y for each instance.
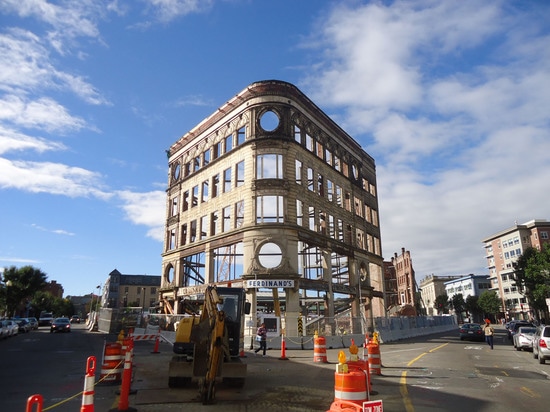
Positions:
(204, 227)
(239, 214)
(338, 192)
(204, 192)
(172, 239)
(320, 186)
(330, 190)
(297, 134)
(269, 209)
(174, 207)
(310, 182)
(299, 212)
(358, 206)
(328, 157)
(185, 200)
(227, 180)
(310, 143)
(319, 149)
(214, 223)
(310, 261)
(228, 262)
(311, 217)
(217, 150)
(192, 231)
(340, 268)
(206, 156)
(226, 219)
(195, 196)
(183, 237)
(299, 166)
(194, 269)
(239, 176)
(269, 166)
(196, 164)
(241, 136)
(228, 142)
(215, 185)
(337, 164)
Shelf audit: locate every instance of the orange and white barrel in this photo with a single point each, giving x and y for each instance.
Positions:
(112, 365)
(362, 365)
(350, 387)
(375, 361)
(320, 350)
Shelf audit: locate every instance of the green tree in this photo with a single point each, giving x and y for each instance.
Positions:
(532, 276)
(442, 304)
(20, 285)
(457, 301)
(489, 302)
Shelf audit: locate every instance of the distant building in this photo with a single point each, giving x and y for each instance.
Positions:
(404, 272)
(501, 250)
(130, 290)
(430, 288)
(54, 289)
(390, 280)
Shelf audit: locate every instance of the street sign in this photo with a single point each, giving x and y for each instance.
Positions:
(373, 406)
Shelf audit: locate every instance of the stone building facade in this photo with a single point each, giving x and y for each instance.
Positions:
(269, 194)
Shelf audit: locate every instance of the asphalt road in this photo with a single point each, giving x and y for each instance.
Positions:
(434, 373)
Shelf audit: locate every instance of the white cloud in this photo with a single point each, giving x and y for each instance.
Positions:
(53, 178)
(12, 140)
(167, 10)
(146, 209)
(462, 150)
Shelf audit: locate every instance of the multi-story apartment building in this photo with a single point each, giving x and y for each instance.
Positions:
(501, 250)
(431, 287)
(269, 194)
(130, 290)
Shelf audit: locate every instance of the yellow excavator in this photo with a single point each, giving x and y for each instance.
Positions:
(208, 341)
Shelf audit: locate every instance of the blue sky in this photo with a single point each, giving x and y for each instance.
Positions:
(451, 99)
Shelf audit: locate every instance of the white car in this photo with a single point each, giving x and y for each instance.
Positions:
(523, 338)
(12, 327)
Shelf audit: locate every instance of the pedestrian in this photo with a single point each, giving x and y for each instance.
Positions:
(261, 336)
(489, 332)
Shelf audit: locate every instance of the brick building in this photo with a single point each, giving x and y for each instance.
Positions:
(269, 194)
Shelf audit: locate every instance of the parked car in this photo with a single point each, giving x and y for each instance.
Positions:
(60, 325)
(471, 331)
(45, 319)
(523, 339)
(3, 329)
(33, 322)
(541, 343)
(23, 325)
(12, 327)
(515, 327)
(75, 319)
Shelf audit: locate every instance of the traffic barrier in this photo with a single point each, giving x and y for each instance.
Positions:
(283, 348)
(344, 406)
(111, 367)
(350, 387)
(123, 402)
(319, 350)
(34, 400)
(375, 361)
(89, 382)
(362, 365)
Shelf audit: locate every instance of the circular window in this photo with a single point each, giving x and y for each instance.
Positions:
(177, 171)
(170, 274)
(269, 121)
(270, 255)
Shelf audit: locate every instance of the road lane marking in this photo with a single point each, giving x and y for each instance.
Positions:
(529, 392)
(403, 381)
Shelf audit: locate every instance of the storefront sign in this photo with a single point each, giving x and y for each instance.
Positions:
(271, 283)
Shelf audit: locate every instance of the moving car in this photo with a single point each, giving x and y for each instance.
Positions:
(541, 344)
(60, 325)
(45, 319)
(523, 338)
(75, 319)
(471, 331)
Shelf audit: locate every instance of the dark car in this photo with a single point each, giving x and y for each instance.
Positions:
(471, 331)
(75, 319)
(60, 325)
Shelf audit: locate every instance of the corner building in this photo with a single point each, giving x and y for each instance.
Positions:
(269, 194)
